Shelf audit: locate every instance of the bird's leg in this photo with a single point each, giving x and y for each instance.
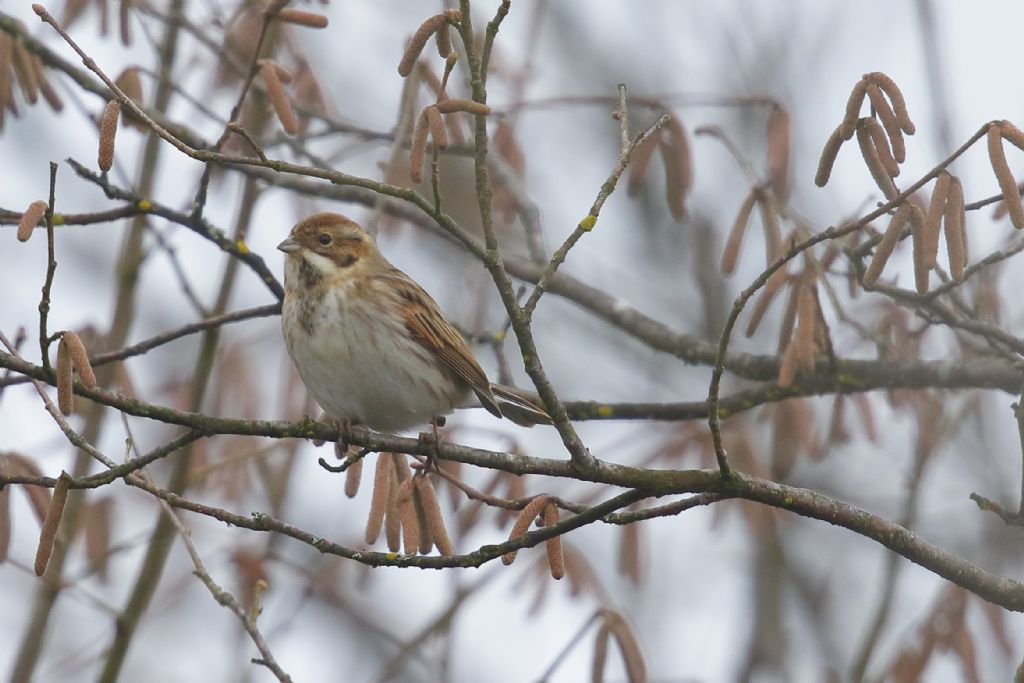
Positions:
(323, 419)
(433, 438)
(344, 438)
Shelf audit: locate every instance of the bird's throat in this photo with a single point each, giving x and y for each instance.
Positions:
(309, 275)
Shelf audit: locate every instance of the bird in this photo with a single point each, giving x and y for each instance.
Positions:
(371, 346)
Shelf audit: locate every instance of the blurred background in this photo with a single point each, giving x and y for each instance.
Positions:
(729, 592)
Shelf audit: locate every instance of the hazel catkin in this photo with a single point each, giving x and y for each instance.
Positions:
(108, 134)
(30, 219)
(48, 534)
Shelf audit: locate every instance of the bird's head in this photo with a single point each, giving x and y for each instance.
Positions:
(328, 245)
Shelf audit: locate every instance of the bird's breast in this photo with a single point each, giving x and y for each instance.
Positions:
(359, 362)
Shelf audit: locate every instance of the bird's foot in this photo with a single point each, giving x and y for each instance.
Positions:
(344, 440)
(432, 439)
(323, 419)
(342, 444)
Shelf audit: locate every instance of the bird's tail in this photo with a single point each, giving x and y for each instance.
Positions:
(522, 407)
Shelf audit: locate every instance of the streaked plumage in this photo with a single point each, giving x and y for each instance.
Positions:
(370, 345)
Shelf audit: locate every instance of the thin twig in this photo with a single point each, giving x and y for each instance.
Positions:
(588, 223)
(19, 339)
(237, 249)
(714, 419)
(438, 625)
(240, 130)
(74, 437)
(847, 376)
(126, 102)
(892, 570)
(9, 217)
(167, 337)
(492, 257)
(569, 646)
(225, 598)
(179, 272)
(997, 589)
(1018, 413)
(51, 269)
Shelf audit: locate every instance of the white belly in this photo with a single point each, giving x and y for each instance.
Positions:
(360, 365)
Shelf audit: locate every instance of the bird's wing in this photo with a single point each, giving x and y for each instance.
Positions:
(428, 327)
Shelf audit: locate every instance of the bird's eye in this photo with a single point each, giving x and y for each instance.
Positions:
(325, 239)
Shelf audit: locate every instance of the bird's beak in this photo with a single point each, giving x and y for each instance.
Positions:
(289, 246)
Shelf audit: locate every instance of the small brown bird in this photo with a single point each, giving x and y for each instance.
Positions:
(370, 345)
